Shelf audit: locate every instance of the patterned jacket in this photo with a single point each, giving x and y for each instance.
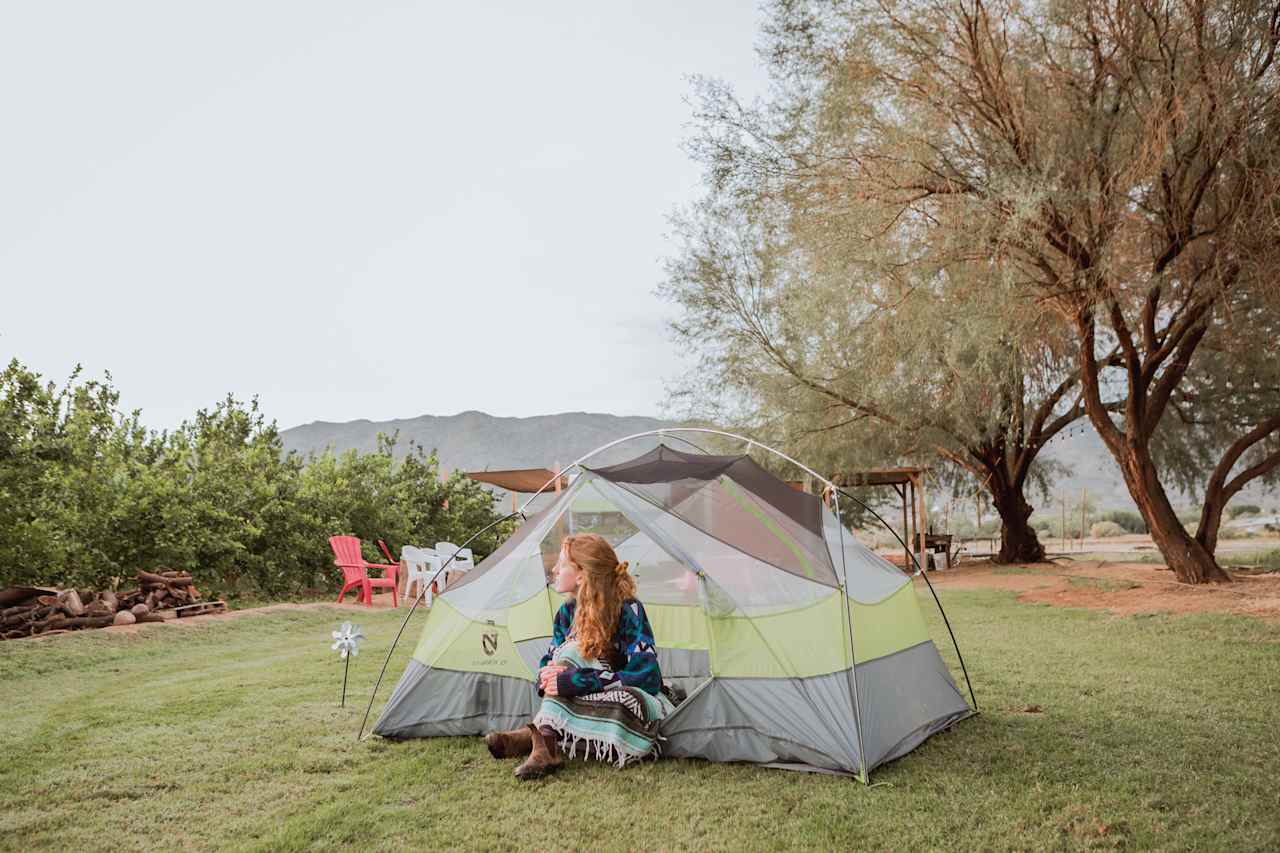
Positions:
(633, 661)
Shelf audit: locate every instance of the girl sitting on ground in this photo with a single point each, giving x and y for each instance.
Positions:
(600, 681)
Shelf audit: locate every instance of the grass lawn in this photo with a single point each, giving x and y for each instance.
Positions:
(1151, 732)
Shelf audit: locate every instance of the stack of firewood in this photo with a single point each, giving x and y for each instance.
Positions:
(47, 611)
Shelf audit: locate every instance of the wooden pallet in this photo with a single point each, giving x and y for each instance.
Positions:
(200, 608)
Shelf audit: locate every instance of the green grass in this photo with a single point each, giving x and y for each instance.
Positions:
(1262, 558)
(1152, 732)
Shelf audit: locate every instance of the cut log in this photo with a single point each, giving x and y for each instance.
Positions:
(72, 603)
(151, 617)
(140, 610)
(110, 599)
(99, 608)
(53, 620)
(161, 580)
(124, 617)
(87, 622)
(13, 595)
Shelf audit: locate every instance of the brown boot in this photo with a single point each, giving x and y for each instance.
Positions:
(545, 757)
(512, 744)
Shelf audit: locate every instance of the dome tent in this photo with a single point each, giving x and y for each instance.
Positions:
(798, 646)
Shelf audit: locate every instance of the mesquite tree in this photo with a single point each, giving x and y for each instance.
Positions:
(815, 305)
(1117, 161)
(1223, 431)
(832, 345)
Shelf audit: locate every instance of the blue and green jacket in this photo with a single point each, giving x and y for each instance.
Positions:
(633, 654)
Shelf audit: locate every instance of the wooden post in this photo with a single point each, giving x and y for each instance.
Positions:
(910, 533)
(557, 476)
(906, 528)
(977, 511)
(1084, 499)
(922, 523)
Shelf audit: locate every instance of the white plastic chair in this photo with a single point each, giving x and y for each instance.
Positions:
(420, 565)
(460, 563)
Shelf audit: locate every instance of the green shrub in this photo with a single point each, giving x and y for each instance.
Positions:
(1105, 529)
(1132, 522)
(88, 496)
(1243, 509)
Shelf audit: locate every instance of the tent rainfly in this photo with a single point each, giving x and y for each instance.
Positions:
(798, 646)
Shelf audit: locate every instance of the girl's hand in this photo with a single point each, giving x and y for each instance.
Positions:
(547, 678)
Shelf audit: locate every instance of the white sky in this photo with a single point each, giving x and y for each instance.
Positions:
(353, 210)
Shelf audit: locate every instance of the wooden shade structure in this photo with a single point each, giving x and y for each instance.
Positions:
(520, 480)
(909, 484)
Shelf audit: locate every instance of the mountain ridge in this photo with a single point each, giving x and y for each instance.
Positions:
(473, 440)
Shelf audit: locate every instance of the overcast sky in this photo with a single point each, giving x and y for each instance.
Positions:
(353, 210)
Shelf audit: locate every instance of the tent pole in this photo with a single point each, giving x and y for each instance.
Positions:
(421, 594)
(923, 574)
(853, 655)
(834, 488)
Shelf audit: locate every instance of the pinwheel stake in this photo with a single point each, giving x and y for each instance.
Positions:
(346, 642)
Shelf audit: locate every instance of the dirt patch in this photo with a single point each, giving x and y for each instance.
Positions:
(1122, 588)
(380, 603)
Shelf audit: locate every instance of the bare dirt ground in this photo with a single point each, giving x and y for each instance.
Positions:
(1121, 588)
(381, 602)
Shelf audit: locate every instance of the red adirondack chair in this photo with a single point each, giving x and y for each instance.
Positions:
(355, 571)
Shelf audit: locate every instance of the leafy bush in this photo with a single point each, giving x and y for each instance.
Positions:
(1105, 529)
(1190, 519)
(88, 496)
(1243, 509)
(1132, 522)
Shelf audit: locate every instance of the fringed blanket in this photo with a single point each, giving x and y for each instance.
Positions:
(617, 725)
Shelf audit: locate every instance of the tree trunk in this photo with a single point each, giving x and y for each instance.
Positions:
(1189, 559)
(1018, 540)
(1210, 522)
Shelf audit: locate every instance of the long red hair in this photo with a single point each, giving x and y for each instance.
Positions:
(605, 585)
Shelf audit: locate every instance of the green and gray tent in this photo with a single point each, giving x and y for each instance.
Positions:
(798, 646)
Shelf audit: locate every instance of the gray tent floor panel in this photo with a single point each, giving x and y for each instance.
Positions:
(432, 702)
(920, 735)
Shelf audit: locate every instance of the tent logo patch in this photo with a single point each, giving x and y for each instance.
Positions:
(489, 642)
